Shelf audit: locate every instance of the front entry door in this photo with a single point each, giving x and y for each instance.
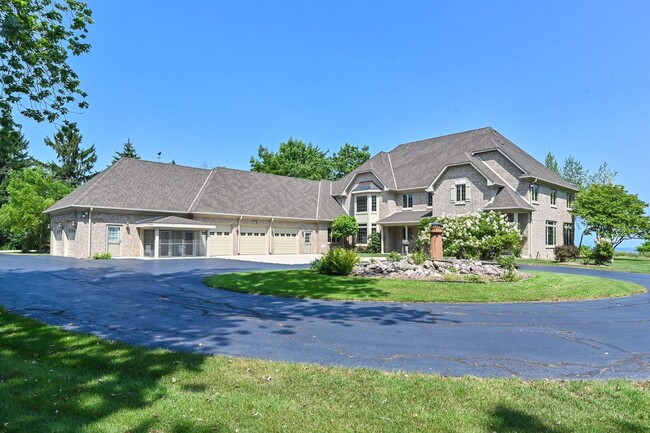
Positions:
(113, 241)
(307, 242)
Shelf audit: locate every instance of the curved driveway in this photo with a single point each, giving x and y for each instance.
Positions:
(164, 304)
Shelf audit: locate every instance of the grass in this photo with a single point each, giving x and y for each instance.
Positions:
(308, 284)
(56, 381)
(639, 265)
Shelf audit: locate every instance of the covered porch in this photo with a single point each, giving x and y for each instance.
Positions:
(173, 237)
(399, 231)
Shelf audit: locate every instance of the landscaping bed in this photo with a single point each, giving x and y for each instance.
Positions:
(57, 381)
(541, 286)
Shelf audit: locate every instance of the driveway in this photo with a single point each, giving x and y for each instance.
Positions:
(163, 303)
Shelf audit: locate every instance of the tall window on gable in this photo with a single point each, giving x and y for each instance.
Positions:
(362, 204)
(373, 203)
(534, 192)
(461, 192)
(553, 197)
(551, 233)
(569, 200)
(430, 199)
(407, 200)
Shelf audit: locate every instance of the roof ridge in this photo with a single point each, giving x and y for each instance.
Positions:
(488, 128)
(205, 182)
(318, 199)
(390, 163)
(259, 173)
(162, 163)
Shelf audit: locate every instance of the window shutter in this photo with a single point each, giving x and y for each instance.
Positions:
(468, 194)
(453, 193)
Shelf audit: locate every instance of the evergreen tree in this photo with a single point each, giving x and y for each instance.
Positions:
(127, 152)
(13, 154)
(551, 163)
(75, 163)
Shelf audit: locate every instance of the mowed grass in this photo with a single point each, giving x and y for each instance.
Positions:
(56, 381)
(639, 265)
(542, 286)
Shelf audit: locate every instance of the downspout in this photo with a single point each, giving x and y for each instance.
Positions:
(90, 232)
(239, 235)
(271, 236)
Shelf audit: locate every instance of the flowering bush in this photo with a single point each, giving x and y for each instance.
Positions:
(484, 235)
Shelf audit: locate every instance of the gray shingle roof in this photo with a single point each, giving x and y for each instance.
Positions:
(237, 192)
(506, 198)
(405, 217)
(415, 165)
(173, 220)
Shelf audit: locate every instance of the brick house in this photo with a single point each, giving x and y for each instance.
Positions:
(140, 208)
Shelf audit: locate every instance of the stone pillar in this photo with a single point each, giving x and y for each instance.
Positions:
(436, 241)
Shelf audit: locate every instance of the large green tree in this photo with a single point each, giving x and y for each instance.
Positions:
(75, 164)
(347, 159)
(610, 212)
(37, 38)
(296, 158)
(128, 151)
(13, 155)
(31, 191)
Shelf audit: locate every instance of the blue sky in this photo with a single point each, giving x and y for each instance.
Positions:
(206, 82)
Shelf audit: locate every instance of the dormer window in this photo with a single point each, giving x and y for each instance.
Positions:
(407, 201)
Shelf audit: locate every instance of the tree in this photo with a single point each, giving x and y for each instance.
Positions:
(13, 155)
(603, 175)
(307, 161)
(573, 171)
(36, 39)
(644, 248)
(612, 213)
(31, 191)
(344, 226)
(127, 152)
(75, 163)
(347, 159)
(295, 159)
(551, 163)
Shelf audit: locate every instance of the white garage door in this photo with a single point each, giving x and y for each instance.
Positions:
(220, 241)
(253, 240)
(285, 240)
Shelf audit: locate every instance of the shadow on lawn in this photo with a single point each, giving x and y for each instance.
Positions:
(51, 380)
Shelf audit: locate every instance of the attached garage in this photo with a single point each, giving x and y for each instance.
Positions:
(220, 241)
(253, 240)
(285, 240)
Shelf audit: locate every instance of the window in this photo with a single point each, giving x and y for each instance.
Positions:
(362, 235)
(568, 234)
(569, 200)
(534, 193)
(430, 199)
(407, 200)
(461, 193)
(551, 233)
(373, 203)
(553, 197)
(373, 228)
(362, 204)
(330, 239)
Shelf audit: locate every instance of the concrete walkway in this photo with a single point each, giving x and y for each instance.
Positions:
(163, 303)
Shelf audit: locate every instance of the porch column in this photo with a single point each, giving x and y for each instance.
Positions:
(156, 243)
(381, 237)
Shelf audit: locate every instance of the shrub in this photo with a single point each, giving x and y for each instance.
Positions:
(102, 256)
(644, 248)
(603, 251)
(566, 252)
(508, 263)
(374, 243)
(394, 256)
(337, 261)
(484, 235)
(361, 249)
(418, 257)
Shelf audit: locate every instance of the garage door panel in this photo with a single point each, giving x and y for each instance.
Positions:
(285, 240)
(220, 241)
(253, 240)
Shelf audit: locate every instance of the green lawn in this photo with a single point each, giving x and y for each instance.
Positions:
(639, 265)
(55, 381)
(542, 286)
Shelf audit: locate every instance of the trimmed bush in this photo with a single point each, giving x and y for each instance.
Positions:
(102, 256)
(418, 257)
(564, 253)
(337, 261)
(374, 243)
(603, 252)
(394, 256)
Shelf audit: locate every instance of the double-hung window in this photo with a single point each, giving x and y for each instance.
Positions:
(373, 203)
(569, 200)
(553, 197)
(534, 193)
(362, 204)
(551, 233)
(461, 193)
(568, 234)
(429, 199)
(362, 235)
(407, 201)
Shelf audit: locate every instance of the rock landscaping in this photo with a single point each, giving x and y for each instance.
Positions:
(443, 270)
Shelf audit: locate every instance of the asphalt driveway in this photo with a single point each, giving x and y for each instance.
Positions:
(163, 303)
